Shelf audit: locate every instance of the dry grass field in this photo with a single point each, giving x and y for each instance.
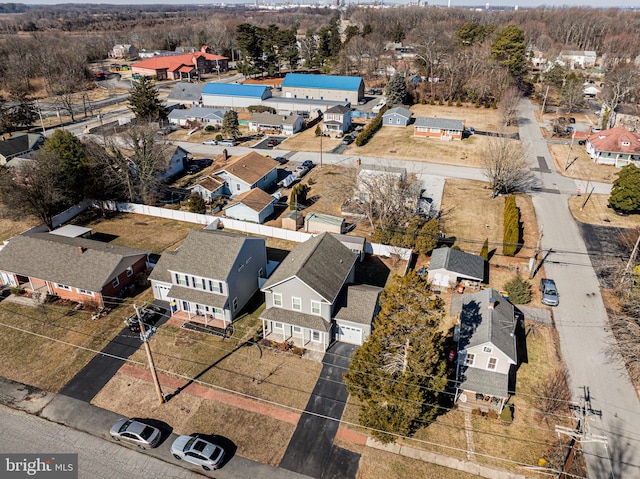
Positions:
(9, 227)
(597, 212)
(583, 167)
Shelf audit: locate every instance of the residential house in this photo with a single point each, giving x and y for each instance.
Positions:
(254, 205)
(178, 67)
(443, 128)
(590, 90)
(185, 93)
(615, 146)
(397, 116)
(210, 187)
(627, 115)
(232, 95)
(305, 296)
(20, 145)
(197, 115)
(176, 165)
(318, 223)
(371, 179)
(578, 58)
(536, 57)
(77, 269)
(337, 120)
(448, 266)
(323, 87)
(487, 349)
(123, 51)
(278, 124)
(245, 172)
(211, 277)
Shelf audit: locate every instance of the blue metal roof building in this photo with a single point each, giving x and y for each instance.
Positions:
(233, 95)
(323, 87)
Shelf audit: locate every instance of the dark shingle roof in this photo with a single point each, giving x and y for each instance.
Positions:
(442, 123)
(485, 382)
(185, 91)
(78, 262)
(359, 304)
(457, 261)
(19, 144)
(197, 296)
(296, 318)
(321, 262)
(480, 325)
(205, 253)
(340, 109)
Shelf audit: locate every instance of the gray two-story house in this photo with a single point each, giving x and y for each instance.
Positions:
(311, 301)
(211, 276)
(245, 172)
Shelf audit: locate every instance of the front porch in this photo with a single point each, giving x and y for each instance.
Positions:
(470, 400)
(204, 319)
(300, 342)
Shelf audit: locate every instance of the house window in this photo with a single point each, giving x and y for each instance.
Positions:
(278, 326)
(297, 330)
(85, 292)
(218, 312)
(63, 286)
(470, 359)
(487, 349)
(238, 187)
(315, 336)
(492, 363)
(277, 299)
(235, 303)
(215, 286)
(181, 280)
(626, 143)
(116, 282)
(296, 304)
(315, 307)
(129, 272)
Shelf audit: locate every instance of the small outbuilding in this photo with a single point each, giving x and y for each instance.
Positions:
(293, 220)
(448, 266)
(254, 205)
(319, 223)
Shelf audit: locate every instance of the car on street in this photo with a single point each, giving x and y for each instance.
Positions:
(307, 164)
(572, 120)
(197, 451)
(227, 142)
(281, 159)
(136, 432)
(549, 292)
(272, 142)
(209, 142)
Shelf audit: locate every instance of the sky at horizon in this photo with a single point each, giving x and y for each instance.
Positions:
(456, 3)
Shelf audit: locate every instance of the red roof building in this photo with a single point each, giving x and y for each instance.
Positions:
(184, 66)
(615, 146)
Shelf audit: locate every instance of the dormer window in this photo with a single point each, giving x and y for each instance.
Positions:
(626, 143)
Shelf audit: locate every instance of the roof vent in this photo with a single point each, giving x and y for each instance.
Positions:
(81, 249)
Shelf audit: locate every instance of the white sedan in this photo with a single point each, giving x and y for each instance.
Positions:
(197, 451)
(136, 432)
(209, 142)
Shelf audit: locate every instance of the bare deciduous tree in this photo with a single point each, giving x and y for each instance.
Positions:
(508, 106)
(505, 165)
(553, 395)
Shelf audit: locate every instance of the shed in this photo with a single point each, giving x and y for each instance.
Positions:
(448, 266)
(293, 220)
(319, 223)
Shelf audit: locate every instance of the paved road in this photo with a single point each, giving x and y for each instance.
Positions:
(311, 450)
(581, 321)
(97, 458)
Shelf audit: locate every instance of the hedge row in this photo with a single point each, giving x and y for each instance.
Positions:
(511, 233)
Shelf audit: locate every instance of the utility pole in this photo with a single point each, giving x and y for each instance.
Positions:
(566, 163)
(145, 339)
(321, 135)
(44, 131)
(533, 264)
(544, 102)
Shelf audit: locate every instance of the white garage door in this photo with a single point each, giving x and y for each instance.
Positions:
(162, 292)
(347, 334)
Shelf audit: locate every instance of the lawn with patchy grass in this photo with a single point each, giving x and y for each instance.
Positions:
(49, 364)
(579, 164)
(10, 227)
(597, 212)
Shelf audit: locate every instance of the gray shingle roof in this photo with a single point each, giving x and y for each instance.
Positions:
(480, 325)
(198, 113)
(272, 119)
(359, 304)
(340, 109)
(19, 144)
(205, 253)
(322, 218)
(185, 91)
(322, 262)
(485, 382)
(296, 318)
(59, 259)
(398, 110)
(442, 123)
(197, 296)
(457, 261)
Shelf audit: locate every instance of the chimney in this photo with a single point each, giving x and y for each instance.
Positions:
(492, 303)
(81, 249)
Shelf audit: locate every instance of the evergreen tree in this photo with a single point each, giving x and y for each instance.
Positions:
(625, 194)
(230, 125)
(73, 166)
(396, 90)
(196, 203)
(519, 290)
(511, 232)
(144, 101)
(484, 252)
(509, 50)
(399, 372)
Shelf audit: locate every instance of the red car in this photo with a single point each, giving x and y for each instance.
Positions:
(271, 143)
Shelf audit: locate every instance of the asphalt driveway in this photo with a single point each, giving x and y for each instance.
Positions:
(311, 450)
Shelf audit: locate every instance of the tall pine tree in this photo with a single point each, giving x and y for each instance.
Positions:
(144, 101)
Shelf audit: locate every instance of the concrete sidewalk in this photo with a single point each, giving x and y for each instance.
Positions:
(96, 421)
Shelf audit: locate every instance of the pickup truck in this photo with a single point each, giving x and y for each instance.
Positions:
(549, 292)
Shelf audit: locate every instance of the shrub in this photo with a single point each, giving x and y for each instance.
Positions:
(423, 101)
(432, 102)
(458, 102)
(449, 102)
(507, 413)
(18, 291)
(261, 109)
(197, 204)
(519, 290)
(484, 252)
(218, 137)
(440, 102)
(477, 104)
(511, 232)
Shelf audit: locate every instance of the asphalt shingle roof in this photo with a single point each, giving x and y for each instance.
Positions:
(198, 113)
(296, 318)
(204, 253)
(616, 140)
(273, 119)
(481, 381)
(330, 82)
(18, 144)
(442, 123)
(457, 261)
(234, 89)
(359, 304)
(339, 109)
(398, 110)
(255, 198)
(322, 218)
(322, 263)
(249, 167)
(480, 325)
(197, 296)
(78, 262)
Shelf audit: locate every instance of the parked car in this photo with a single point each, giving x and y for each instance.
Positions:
(549, 292)
(307, 164)
(209, 142)
(136, 432)
(281, 159)
(300, 171)
(272, 142)
(572, 120)
(227, 142)
(347, 140)
(582, 142)
(197, 451)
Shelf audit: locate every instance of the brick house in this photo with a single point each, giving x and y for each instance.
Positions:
(443, 128)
